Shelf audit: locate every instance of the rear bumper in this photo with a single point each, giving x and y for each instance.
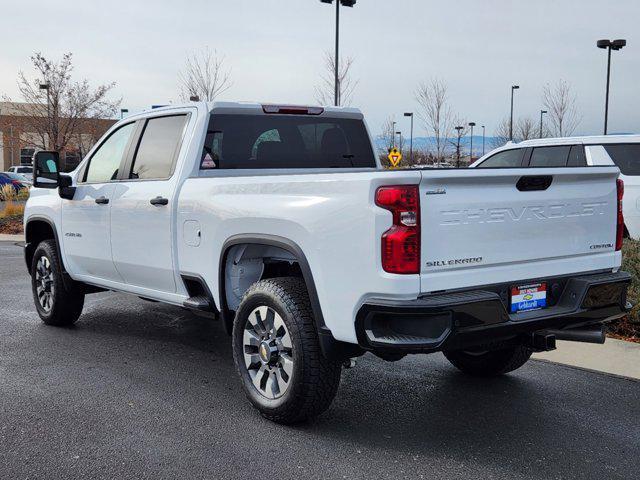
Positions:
(476, 318)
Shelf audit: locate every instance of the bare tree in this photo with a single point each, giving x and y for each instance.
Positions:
(387, 133)
(386, 140)
(325, 91)
(436, 113)
(525, 128)
(56, 114)
(560, 103)
(501, 134)
(455, 140)
(205, 76)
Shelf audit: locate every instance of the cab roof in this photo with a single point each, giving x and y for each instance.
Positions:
(589, 139)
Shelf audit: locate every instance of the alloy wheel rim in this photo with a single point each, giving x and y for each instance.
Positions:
(268, 352)
(44, 283)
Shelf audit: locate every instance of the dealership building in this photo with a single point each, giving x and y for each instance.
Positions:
(18, 143)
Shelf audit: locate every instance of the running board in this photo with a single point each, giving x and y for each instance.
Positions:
(199, 302)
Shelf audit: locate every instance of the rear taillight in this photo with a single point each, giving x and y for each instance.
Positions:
(620, 222)
(401, 243)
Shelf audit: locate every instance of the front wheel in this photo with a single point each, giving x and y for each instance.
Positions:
(489, 363)
(277, 354)
(56, 305)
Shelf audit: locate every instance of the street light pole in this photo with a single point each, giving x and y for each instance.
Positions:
(336, 59)
(393, 131)
(483, 140)
(609, 45)
(46, 86)
(410, 114)
(458, 129)
(400, 138)
(542, 112)
(471, 124)
(336, 86)
(122, 112)
(513, 87)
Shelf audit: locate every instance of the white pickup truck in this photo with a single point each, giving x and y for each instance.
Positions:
(280, 222)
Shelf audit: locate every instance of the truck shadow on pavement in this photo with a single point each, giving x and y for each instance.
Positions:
(543, 420)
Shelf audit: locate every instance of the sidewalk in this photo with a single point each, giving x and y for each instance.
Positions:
(11, 238)
(615, 356)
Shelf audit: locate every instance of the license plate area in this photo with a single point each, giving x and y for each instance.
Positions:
(532, 296)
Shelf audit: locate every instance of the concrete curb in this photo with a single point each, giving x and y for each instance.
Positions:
(11, 238)
(615, 357)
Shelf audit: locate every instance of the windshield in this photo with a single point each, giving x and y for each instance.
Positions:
(286, 141)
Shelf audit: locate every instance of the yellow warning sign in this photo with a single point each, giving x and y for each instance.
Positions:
(394, 157)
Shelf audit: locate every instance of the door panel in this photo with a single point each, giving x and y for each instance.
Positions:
(141, 234)
(85, 227)
(141, 231)
(86, 218)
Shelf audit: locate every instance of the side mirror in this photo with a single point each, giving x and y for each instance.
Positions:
(46, 172)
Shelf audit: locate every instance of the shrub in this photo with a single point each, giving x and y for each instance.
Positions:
(8, 193)
(629, 327)
(12, 210)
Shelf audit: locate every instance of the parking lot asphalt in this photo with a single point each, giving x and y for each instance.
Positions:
(142, 390)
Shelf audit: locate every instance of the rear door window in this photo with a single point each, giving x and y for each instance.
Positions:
(507, 158)
(158, 148)
(550, 156)
(286, 141)
(626, 157)
(576, 157)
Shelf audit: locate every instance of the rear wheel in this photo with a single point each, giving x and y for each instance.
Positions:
(277, 354)
(56, 305)
(489, 363)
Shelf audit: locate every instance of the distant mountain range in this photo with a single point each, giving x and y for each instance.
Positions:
(428, 143)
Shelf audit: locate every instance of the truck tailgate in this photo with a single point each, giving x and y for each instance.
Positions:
(487, 226)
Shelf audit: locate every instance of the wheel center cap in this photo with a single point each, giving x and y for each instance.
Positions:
(265, 352)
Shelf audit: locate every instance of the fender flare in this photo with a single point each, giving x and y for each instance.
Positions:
(27, 246)
(331, 347)
(29, 249)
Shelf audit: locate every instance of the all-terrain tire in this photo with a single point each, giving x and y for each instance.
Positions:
(491, 363)
(315, 379)
(64, 305)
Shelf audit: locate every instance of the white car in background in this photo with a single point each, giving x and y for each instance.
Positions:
(24, 170)
(620, 150)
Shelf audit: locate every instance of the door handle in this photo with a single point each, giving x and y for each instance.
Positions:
(159, 201)
(102, 200)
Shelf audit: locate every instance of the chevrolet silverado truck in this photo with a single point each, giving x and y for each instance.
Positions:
(280, 222)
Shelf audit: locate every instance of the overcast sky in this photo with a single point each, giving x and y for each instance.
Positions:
(275, 48)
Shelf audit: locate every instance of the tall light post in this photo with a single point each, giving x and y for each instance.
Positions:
(400, 142)
(47, 86)
(483, 140)
(345, 3)
(513, 87)
(122, 112)
(609, 45)
(471, 124)
(542, 112)
(393, 131)
(410, 114)
(458, 129)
